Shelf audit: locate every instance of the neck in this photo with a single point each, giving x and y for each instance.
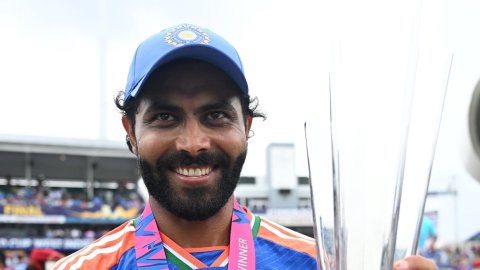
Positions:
(214, 231)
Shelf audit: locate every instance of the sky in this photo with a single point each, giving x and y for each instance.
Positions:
(62, 62)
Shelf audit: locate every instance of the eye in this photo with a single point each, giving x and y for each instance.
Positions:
(216, 115)
(164, 117)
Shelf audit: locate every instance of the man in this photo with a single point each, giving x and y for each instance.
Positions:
(187, 114)
(428, 235)
(41, 258)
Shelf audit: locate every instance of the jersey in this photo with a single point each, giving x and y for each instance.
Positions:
(276, 247)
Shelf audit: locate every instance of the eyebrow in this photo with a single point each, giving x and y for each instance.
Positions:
(160, 105)
(221, 104)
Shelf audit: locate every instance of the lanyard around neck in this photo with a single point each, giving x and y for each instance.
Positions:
(150, 248)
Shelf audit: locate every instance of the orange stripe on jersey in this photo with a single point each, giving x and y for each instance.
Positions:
(221, 258)
(288, 231)
(115, 243)
(205, 249)
(287, 238)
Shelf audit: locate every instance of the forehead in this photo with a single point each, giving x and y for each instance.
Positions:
(188, 78)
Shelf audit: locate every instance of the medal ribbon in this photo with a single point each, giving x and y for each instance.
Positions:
(150, 248)
(242, 249)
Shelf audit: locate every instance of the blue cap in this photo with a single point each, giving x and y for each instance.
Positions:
(183, 41)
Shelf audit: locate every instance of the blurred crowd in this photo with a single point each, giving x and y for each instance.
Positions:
(73, 202)
(465, 257)
(449, 257)
(35, 259)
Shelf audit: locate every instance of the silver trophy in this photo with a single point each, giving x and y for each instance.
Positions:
(371, 146)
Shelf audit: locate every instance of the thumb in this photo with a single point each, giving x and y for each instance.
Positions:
(415, 263)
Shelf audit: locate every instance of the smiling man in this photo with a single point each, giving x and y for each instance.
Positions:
(187, 115)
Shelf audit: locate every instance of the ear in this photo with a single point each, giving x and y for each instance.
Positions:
(248, 125)
(128, 126)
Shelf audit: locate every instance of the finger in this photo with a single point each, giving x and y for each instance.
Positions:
(415, 263)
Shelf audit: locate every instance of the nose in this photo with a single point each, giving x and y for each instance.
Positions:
(193, 139)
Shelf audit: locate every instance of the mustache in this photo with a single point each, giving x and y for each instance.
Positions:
(177, 159)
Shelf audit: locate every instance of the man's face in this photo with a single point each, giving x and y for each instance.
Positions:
(190, 138)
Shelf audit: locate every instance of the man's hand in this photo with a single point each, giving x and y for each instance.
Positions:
(415, 263)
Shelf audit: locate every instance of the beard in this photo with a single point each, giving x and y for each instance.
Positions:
(192, 203)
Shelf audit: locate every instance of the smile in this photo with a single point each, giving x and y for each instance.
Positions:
(193, 171)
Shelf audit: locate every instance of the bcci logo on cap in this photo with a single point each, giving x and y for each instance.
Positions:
(186, 34)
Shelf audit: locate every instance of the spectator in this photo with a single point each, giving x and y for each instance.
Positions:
(39, 257)
(3, 260)
(428, 234)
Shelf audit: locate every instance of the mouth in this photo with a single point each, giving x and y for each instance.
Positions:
(193, 171)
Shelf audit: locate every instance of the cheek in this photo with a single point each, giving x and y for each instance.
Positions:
(151, 146)
(232, 143)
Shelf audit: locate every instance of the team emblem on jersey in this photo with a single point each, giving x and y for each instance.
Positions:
(186, 34)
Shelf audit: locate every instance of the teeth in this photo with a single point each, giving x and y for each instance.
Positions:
(193, 172)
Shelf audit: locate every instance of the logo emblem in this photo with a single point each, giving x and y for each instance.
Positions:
(186, 34)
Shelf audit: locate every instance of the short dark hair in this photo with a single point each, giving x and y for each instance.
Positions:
(249, 108)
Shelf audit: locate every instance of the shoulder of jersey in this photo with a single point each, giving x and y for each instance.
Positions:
(105, 251)
(286, 237)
